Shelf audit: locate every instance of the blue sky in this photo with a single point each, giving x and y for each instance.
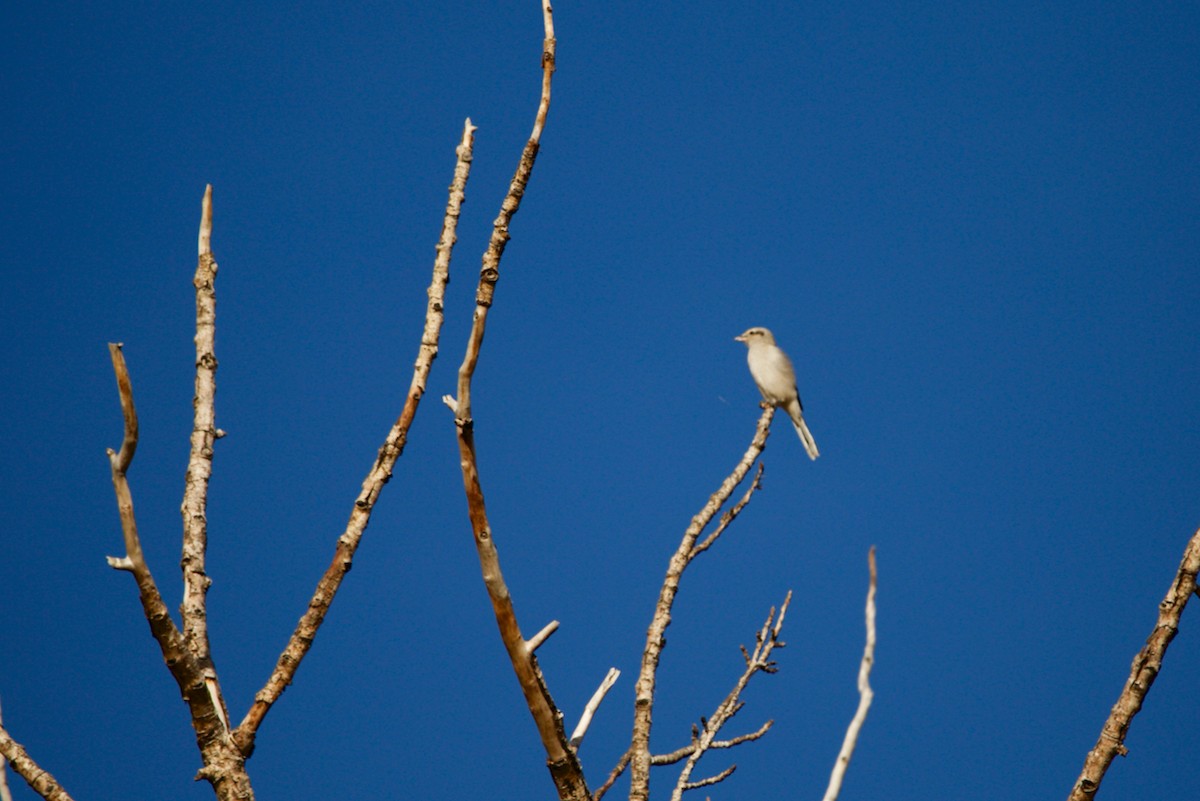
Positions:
(973, 228)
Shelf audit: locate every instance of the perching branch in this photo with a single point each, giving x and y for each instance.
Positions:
(380, 472)
(758, 660)
(865, 693)
(1146, 666)
(564, 765)
(639, 756)
(23, 765)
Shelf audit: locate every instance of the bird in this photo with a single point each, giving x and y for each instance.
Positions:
(776, 379)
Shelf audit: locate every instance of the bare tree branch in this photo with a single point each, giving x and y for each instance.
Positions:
(593, 704)
(656, 635)
(42, 782)
(204, 433)
(864, 691)
(758, 660)
(563, 764)
(5, 793)
(613, 775)
(189, 664)
(1146, 666)
(680, 754)
(732, 514)
(720, 777)
(535, 642)
(163, 628)
(381, 471)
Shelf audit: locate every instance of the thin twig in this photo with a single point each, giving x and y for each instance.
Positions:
(865, 693)
(380, 472)
(585, 720)
(1146, 666)
(613, 775)
(679, 754)
(564, 766)
(766, 640)
(656, 635)
(720, 777)
(732, 513)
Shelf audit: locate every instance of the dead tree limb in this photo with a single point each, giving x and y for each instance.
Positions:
(204, 434)
(589, 711)
(1146, 666)
(5, 793)
(381, 471)
(23, 765)
(188, 661)
(678, 755)
(758, 660)
(865, 693)
(639, 754)
(564, 766)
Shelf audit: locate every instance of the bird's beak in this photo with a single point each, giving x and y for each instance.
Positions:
(740, 338)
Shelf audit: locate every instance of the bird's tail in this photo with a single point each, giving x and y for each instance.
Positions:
(806, 437)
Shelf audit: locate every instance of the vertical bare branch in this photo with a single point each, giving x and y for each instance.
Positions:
(656, 635)
(23, 765)
(565, 769)
(195, 493)
(380, 472)
(204, 433)
(865, 693)
(1146, 666)
(757, 660)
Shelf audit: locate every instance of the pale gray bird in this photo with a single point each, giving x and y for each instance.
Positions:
(776, 378)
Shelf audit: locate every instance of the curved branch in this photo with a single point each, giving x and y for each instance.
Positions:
(169, 639)
(865, 693)
(564, 766)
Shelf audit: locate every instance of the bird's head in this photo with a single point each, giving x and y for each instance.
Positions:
(756, 335)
